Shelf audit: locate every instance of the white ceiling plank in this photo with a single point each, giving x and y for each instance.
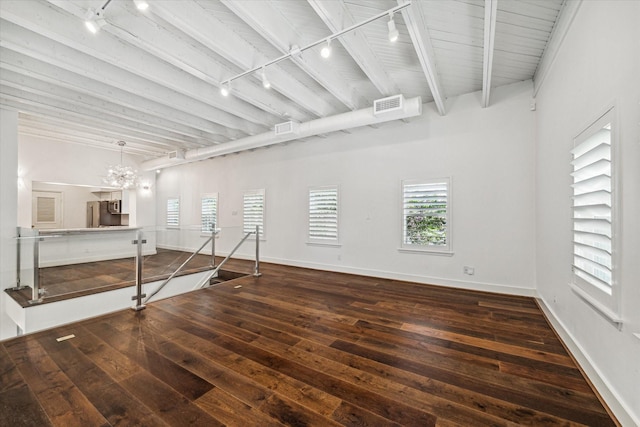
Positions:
(31, 67)
(67, 30)
(278, 31)
(337, 17)
(25, 42)
(194, 21)
(490, 14)
(414, 19)
(37, 123)
(563, 22)
(101, 108)
(38, 105)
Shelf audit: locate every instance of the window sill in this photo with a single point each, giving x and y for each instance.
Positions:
(426, 251)
(325, 244)
(596, 305)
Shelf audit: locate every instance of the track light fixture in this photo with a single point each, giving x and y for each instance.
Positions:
(141, 5)
(265, 82)
(94, 19)
(225, 90)
(326, 50)
(393, 31)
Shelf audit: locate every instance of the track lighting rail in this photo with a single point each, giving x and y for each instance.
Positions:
(295, 50)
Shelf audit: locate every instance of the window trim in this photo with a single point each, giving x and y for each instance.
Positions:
(443, 250)
(172, 226)
(318, 241)
(215, 217)
(605, 303)
(262, 192)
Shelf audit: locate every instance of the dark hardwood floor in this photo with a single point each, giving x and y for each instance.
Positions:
(301, 347)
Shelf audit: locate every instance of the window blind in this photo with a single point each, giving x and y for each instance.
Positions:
(173, 212)
(253, 211)
(592, 210)
(323, 214)
(209, 212)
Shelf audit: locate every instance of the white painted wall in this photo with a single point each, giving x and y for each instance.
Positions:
(8, 212)
(487, 152)
(597, 65)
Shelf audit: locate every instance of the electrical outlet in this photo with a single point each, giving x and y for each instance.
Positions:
(339, 257)
(468, 270)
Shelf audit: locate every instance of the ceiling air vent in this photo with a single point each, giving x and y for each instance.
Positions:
(176, 155)
(286, 128)
(386, 105)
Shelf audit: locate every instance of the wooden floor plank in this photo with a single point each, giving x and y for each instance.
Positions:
(299, 347)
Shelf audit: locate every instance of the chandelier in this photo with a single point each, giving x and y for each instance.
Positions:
(121, 176)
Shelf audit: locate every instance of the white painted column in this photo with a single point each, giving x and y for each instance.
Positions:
(8, 212)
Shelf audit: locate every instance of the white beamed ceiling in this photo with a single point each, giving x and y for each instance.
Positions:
(153, 78)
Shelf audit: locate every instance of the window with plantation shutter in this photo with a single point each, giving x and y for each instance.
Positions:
(323, 214)
(426, 213)
(253, 211)
(173, 212)
(209, 212)
(593, 212)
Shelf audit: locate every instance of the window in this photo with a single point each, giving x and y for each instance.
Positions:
(253, 211)
(323, 214)
(173, 212)
(426, 213)
(593, 213)
(47, 209)
(209, 212)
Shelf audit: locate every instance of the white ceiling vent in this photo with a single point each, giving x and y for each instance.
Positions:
(286, 128)
(177, 155)
(388, 104)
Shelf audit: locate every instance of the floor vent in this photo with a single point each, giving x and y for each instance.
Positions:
(386, 105)
(286, 128)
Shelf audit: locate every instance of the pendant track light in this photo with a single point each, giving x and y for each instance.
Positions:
(393, 31)
(141, 5)
(265, 82)
(225, 90)
(326, 50)
(94, 19)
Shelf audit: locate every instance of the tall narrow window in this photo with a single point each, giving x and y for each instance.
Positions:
(253, 211)
(209, 212)
(426, 212)
(323, 214)
(593, 211)
(173, 212)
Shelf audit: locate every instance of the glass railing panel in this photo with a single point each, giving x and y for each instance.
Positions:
(85, 261)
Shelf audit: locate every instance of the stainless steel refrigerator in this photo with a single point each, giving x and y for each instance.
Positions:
(100, 214)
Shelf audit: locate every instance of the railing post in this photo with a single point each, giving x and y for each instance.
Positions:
(35, 294)
(213, 246)
(139, 295)
(18, 261)
(256, 272)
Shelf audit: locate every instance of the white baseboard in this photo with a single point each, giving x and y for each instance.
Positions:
(620, 411)
(394, 275)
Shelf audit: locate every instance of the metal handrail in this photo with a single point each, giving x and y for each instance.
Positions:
(217, 269)
(180, 268)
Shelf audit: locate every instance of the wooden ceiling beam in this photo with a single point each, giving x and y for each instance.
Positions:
(414, 19)
(490, 13)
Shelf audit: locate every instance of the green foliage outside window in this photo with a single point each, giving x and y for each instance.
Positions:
(426, 224)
